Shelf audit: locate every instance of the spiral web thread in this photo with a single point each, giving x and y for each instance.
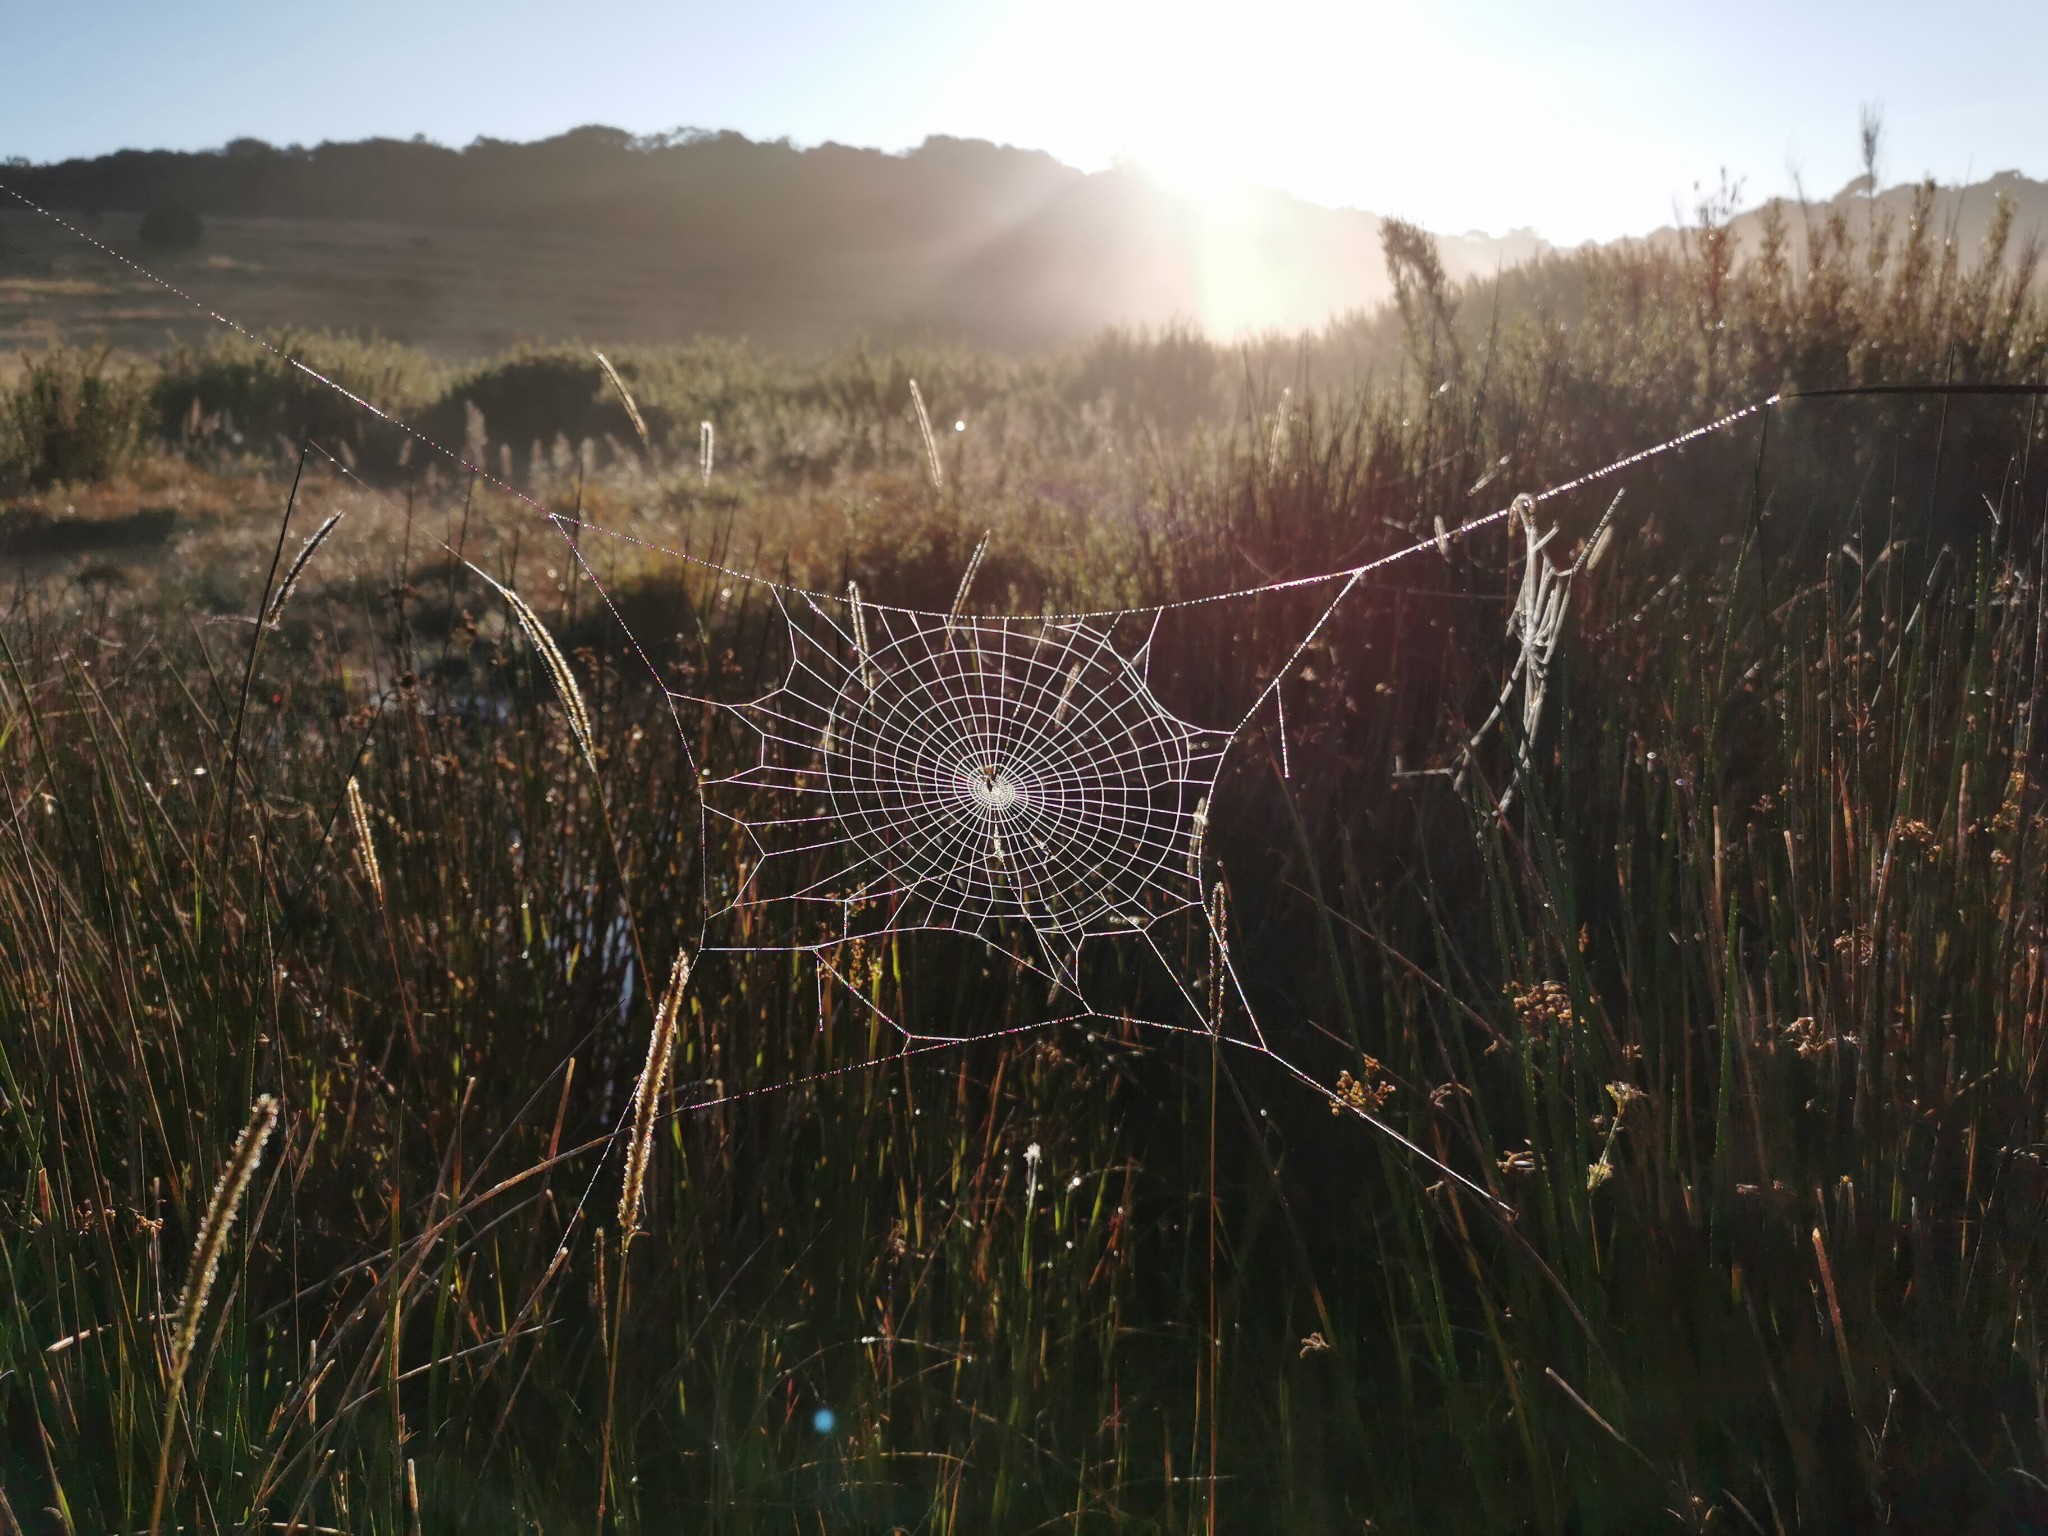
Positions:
(983, 776)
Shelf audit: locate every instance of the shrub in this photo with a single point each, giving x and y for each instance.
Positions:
(1172, 381)
(73, 417)
(533, 395)
(238, 393)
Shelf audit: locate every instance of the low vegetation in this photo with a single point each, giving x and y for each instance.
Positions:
(331, 948)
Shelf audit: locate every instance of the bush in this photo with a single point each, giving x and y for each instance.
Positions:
(72, 418)
(240, 394)
(534, 395)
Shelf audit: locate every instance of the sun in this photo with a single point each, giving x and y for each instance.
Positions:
(1213, 102)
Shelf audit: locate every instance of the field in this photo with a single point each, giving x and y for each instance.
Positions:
(336, 922)
(453, 290)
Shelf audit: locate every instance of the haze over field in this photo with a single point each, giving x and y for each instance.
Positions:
(599, 236)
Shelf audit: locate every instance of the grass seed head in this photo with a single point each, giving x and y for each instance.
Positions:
(213, 1232)
(1544, 1008)
(557, 666)
(626, 399)
(661, 1045)
(366, 845)
(298, 569)
(924, 426)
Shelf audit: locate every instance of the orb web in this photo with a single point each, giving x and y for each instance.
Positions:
(1015, 779)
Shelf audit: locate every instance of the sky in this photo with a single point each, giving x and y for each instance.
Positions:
(1578, 120)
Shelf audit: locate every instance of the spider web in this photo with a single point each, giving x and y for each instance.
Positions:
(1013, 779)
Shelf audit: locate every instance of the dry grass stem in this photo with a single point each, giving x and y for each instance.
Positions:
(199, 1275)
(558, 673)
(661, 1045)
(1219, 954)
(298, 569)
(626, 399)
(860, 636)
(1276, 442)
(967, 582)
(213, 1234)
(924, 425)
(366, 845)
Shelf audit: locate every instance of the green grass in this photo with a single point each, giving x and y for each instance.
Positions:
(1770, 900)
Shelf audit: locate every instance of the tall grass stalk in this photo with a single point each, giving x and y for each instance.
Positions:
(298, 566)
(626, 399)
(557, 666)
(212, 1242)
(924, 427)
(647, 1092)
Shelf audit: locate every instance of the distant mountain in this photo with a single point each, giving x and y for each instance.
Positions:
(605, 237)
(602, 237)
